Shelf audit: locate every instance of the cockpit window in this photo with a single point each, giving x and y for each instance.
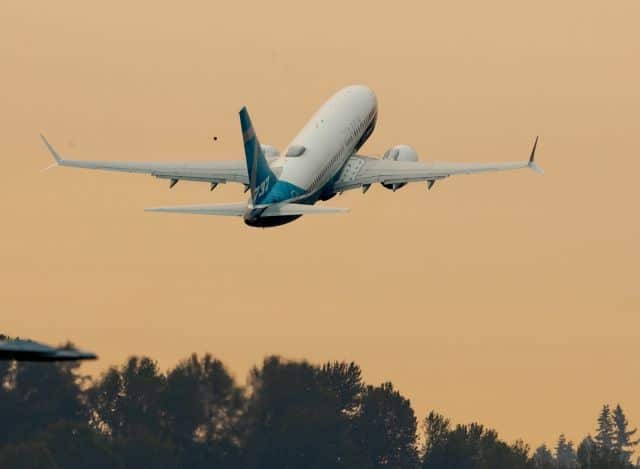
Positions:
(295, 150)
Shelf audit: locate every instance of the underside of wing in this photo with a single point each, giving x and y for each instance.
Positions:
(362, 171)
(218, 172)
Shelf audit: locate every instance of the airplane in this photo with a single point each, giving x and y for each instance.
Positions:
(319, 163)
(28, 350)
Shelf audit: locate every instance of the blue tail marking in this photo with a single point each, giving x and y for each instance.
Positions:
(261, 178)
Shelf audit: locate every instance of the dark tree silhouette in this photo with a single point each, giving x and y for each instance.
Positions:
(605, 433)
(128, 399)
(36, 395)
(297, 418)
(565, 454)
(601, 452)
(386, 429)
(203, 409)
(292, 414)
(623, 442)
(472, 447)
(30, 455)
(73, 444)
(543, 459)
(345, 382)
(436, 429)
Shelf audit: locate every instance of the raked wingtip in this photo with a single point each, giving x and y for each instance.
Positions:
(52, 150)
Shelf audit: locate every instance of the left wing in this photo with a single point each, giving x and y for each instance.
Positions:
(362, 171)
(217, 172)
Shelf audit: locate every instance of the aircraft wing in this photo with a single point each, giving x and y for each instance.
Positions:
(218, 172)
(27, 350)
(363, 171)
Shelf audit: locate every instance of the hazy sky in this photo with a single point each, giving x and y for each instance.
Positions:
(511, 299)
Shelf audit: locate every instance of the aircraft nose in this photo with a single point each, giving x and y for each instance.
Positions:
(361, 89)
(366, 92)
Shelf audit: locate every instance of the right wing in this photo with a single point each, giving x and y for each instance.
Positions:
(362, 171)
(218, 172)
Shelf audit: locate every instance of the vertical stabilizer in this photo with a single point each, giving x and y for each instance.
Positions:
(261, 178)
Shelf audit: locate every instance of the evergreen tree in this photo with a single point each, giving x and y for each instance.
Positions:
(565, 454)
(543, 459)
(622, 440)
(585, 451)
(605, 434)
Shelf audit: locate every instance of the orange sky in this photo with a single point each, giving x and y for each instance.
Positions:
(511, 299)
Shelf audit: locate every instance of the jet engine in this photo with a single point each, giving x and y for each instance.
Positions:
(270, 151)
(399, 153)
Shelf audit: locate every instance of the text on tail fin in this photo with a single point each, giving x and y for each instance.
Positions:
(261, 178)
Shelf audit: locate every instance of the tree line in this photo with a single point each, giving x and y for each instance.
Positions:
(291, 414)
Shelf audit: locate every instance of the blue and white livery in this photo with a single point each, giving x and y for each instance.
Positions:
(320, 162)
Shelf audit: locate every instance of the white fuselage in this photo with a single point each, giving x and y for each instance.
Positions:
(330, 138)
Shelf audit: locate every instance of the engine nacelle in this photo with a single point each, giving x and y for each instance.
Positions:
(270, 151)
(399, 153)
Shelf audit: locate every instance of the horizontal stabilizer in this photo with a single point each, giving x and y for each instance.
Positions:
(229, 210)
(300, 209)
(239, 209)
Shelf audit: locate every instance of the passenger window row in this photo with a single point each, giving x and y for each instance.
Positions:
(322, 173)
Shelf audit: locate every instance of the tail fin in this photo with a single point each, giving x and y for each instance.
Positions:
(261, 178)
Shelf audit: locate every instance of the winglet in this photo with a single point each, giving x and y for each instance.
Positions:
(532, 163)
(57, 157)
